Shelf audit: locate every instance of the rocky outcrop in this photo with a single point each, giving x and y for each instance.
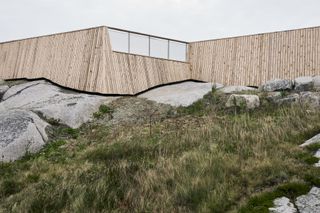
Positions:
(303, 83)
(3, 89)
(313, 140)
(21, 132)
(289, 99)
(236, 89)
(309, 203)
(316, 83)
(280, 99)
(217, 86)
(183, 94)
(282, 205)
(245, 101)
(310, 98)
(277, 85)
(69, 108)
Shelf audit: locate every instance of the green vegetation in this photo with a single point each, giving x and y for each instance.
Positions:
(103, 109)
(262, 202)
(203, 159)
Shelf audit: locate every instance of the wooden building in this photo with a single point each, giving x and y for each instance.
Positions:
(85, 60)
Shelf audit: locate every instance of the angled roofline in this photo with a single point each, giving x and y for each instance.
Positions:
(53, 34)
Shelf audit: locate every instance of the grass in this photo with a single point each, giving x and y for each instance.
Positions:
(103, 109)
(262, 202)
(205, 159)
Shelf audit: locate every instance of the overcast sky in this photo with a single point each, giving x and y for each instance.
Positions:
(188, 20)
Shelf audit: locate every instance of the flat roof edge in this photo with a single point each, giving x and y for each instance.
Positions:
(256, 34)
(199, 41)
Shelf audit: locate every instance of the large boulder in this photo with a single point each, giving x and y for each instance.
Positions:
(180, 94)
(309, 203)
(3, 89)
(289, 99)
(303, 83)
(282, 205)
(236, 89)
(245, 101)
(68, 107)
(316, 82)
(310, 98)
(21, 132)
(217, 86)
(277, 85)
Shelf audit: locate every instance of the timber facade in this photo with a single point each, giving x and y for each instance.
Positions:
(85, 60)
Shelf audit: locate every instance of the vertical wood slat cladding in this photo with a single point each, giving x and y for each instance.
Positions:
(69, 59)
(84, 60)
(255, 59)
(146, 72)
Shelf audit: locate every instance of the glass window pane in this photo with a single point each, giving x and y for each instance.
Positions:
(178, 51)
(158, 48)
(139, 44)
(119, 40)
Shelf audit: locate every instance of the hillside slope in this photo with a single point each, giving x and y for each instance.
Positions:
(203, 158)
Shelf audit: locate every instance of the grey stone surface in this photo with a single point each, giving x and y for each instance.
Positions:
(282, 205)
(180, 94)
(3, 89)
(274, 96)
(303, 83)
(317, 155)
(280, 99)
(313, 140)
(217, 86)
(277, 85)
(66, 106)
(236, 89)
(20, 132)
(247, 101)
(316, 83)
(289, 99)
(309, 203)
(310, 98)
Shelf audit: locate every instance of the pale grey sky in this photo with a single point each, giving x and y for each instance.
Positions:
(187, 20)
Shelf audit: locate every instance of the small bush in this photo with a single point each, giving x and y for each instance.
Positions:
(308, 158)
(313, 147)
(74, 133)
(103, 109)
(9, 187)
(312, 180)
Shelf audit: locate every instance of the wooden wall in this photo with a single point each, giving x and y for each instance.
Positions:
(131, 74)
(70, 59)
(252, 60)
(84, 60)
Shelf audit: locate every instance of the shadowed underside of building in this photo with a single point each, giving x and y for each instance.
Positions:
(85, 60)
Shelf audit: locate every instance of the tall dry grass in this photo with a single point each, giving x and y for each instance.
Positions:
(197, 162)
